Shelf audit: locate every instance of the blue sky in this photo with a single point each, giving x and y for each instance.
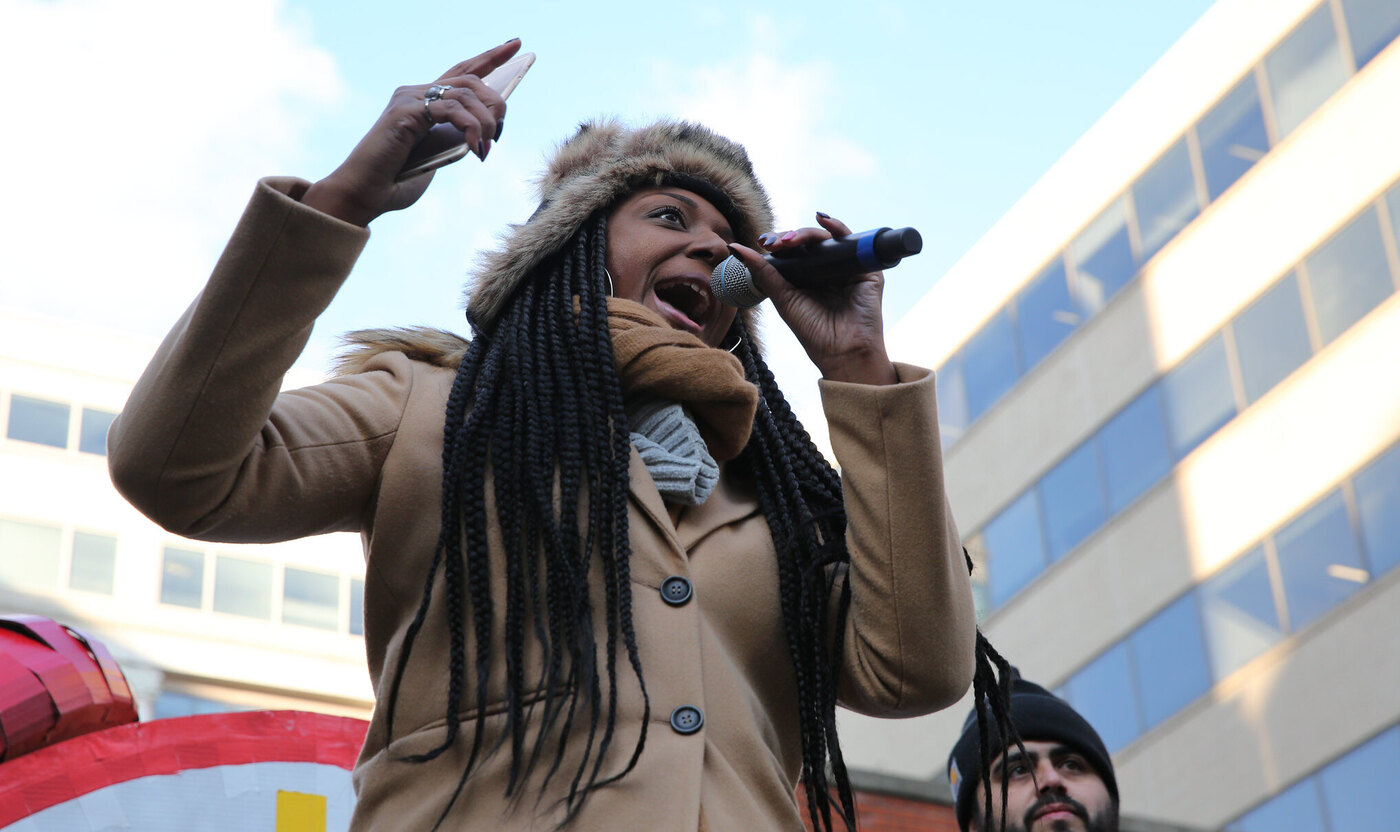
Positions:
(138, 127)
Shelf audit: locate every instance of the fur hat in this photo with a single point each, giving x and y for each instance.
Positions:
(602, 164)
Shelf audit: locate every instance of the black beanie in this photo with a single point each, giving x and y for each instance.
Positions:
(1038, 715)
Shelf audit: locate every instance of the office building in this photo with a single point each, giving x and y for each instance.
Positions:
(197, 628)
(1170, 403)
(1169, 383)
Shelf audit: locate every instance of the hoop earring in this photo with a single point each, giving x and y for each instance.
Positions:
(738, 339)
(608, 275)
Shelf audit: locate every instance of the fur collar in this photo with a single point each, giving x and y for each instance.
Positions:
(420, 343)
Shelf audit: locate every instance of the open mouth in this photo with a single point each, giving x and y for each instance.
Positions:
(688, 298)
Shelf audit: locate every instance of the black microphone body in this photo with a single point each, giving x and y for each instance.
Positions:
(834, 262)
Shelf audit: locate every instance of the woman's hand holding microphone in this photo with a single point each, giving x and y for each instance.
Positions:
(842, 327)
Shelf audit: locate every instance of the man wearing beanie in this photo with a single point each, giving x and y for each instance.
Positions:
(1063, 782)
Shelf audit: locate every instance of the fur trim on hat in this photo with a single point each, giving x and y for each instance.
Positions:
(600, 165)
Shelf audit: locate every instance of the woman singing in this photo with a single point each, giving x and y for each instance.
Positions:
(610, 582)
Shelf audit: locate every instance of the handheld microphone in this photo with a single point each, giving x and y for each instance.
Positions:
(832, 262)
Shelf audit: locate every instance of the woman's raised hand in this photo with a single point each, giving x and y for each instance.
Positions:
(841, 328)
(365, 186)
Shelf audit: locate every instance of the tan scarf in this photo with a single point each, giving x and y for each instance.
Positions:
(659, 362)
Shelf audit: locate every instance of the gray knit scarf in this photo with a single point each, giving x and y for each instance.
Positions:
(670, 444)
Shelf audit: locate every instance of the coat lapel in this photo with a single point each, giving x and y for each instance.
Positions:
(642, 490)
(734, 499)
(731, 501)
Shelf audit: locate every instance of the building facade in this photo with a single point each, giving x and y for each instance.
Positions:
(197, 628)
(1170, 403)
(1169, 390)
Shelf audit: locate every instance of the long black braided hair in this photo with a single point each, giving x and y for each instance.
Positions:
(991, 702)
(536, 417)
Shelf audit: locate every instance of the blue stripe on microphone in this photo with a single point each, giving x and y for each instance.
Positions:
(865, 252)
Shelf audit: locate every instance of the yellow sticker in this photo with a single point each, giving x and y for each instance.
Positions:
(297, 812)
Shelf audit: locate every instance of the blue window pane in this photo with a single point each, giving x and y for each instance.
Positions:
(1305, 69)
(92, 434)
(1378, 502)
(1271, 338)
(1015, 548)
(182, 578)
(952, 402)
(1103, 694)
(1295, 810)
(1232, 136)
(1392, 202)
(29, 555)
(1103, 258)
(311, 599)
(357, 607)
(1352, 786)
(981, 594)
(1045, 313)
(1241, 618)
(1073, 500)
(981, 599)
(1372, 25)
(94, 563)
(989, 365)
(1165, 199)
(36, 420)
(1133, 446)
(1171, 660)
(1319, 561)
(1198, 396)
(1349, 275)
(170, 704)
(243, 587)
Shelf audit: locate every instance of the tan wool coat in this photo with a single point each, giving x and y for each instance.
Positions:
(209, 448)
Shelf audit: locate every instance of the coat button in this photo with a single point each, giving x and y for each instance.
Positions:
(687, 719)
(676, 590)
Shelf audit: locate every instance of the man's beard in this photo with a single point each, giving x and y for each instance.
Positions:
(1105, 821)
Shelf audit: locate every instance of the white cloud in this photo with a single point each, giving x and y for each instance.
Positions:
(137, 129)
(794, 119)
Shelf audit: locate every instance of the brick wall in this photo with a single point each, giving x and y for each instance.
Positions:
(887, 813)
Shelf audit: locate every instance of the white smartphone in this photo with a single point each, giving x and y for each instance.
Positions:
(445, 144)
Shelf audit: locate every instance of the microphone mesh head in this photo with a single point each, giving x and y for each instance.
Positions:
(732, 284)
